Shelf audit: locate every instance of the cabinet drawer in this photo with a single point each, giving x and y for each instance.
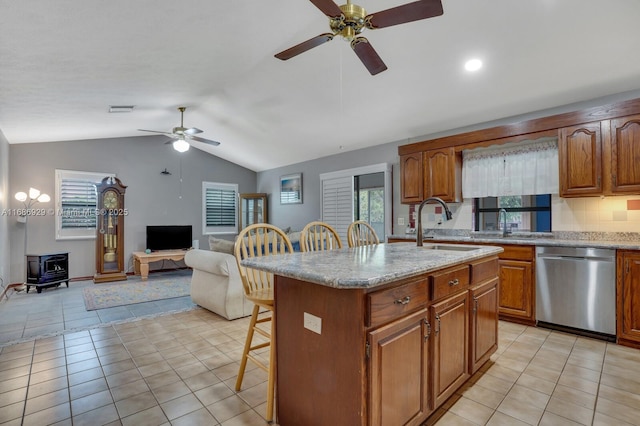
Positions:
(449, 281)
(483, 270)
(517, 252)
(386, 305)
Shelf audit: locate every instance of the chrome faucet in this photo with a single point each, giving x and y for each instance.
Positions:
(427, 201)
(505, 231)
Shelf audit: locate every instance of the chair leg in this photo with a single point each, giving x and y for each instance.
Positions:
(271, 384)
(247, 346)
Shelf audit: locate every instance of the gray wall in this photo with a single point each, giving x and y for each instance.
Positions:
(151, 197)
(4, 204)
(297, 215)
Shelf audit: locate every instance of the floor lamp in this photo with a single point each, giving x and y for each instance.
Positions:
(34, 196)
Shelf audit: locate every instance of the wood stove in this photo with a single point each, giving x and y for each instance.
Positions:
(47, 270)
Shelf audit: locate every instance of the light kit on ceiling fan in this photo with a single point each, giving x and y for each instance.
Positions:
(180, 144)
(349, 20)
(182, 136)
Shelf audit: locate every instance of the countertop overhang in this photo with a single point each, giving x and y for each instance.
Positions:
(366, 267)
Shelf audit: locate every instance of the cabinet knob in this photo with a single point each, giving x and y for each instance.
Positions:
(454, 282)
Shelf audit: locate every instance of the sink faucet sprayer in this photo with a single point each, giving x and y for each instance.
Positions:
(447, 213)
(505, 231)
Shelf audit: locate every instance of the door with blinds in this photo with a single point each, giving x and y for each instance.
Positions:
(337, 204)
(363, 193)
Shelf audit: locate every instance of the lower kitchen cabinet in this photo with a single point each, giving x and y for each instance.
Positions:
(399, 362)
(517, 284)
(628, 298)
(390, 356)
(449, 344)
(484, 323)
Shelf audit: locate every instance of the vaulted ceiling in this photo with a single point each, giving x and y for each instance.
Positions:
(63, 62)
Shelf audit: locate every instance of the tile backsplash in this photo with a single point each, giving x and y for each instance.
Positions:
(605, 214)
(587, 214)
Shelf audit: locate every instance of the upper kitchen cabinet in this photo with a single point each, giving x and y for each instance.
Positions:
(411, 178)
(580, 158)
(625, 155)
(442, 174)
(600, 158)
(433, 173)
(598, 153)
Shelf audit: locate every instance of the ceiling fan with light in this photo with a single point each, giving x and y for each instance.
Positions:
(350, 19)
(181, 135)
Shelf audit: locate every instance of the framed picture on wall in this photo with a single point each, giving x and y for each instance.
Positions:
(291, 189)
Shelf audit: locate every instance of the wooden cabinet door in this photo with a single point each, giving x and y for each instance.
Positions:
(580, 158)
(442, 176)
(484, 323)
(411, 189)
(450, 342)
(625, 155)
(516, 290)
(398, 371)
(628, 304)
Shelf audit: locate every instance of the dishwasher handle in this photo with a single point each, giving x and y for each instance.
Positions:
(566, 257)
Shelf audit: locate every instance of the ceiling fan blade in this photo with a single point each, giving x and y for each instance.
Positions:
(203, 140)
(155, 131)
(304, 46)
(421, 9)
(193, 131)
(368, 55)
(328, 7)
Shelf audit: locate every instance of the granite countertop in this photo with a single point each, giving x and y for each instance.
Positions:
(366, 267)
(617, 241)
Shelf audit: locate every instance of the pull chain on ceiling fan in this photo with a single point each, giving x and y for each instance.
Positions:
(182, 135)
(349, 20)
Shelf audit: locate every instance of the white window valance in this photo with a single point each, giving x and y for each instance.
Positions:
(523, 168)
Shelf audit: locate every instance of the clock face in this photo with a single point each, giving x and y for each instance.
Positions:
(110, 200)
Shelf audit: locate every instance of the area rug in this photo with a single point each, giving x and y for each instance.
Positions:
(101, 296)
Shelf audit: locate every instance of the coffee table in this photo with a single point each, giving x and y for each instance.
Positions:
(141, 260)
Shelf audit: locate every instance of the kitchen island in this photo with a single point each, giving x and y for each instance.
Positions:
(380, 335)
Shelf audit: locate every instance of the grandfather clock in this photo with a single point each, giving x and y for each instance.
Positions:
(110, 234)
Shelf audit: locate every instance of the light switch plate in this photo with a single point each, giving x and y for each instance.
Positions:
(313, 323)
(401, 221)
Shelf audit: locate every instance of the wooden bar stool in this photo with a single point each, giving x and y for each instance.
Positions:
(258, 240)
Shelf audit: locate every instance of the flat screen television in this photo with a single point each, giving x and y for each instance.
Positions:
(173, 237)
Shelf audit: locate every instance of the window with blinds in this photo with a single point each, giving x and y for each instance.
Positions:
(76, 202)
(219, 208)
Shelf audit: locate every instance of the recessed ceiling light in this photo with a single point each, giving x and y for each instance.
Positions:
(120, 108)
(473, 65)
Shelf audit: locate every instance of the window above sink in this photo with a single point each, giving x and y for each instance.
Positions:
(525, 213)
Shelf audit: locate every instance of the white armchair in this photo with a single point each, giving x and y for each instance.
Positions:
(216, 284)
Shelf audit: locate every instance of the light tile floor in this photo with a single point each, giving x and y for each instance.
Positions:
(60, 309)
(180, 369)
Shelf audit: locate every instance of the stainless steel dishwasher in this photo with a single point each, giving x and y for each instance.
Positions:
(576, 288)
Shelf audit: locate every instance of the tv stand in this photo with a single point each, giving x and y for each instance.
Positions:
(141, 260)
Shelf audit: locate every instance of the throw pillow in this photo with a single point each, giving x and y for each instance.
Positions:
(223, 246)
